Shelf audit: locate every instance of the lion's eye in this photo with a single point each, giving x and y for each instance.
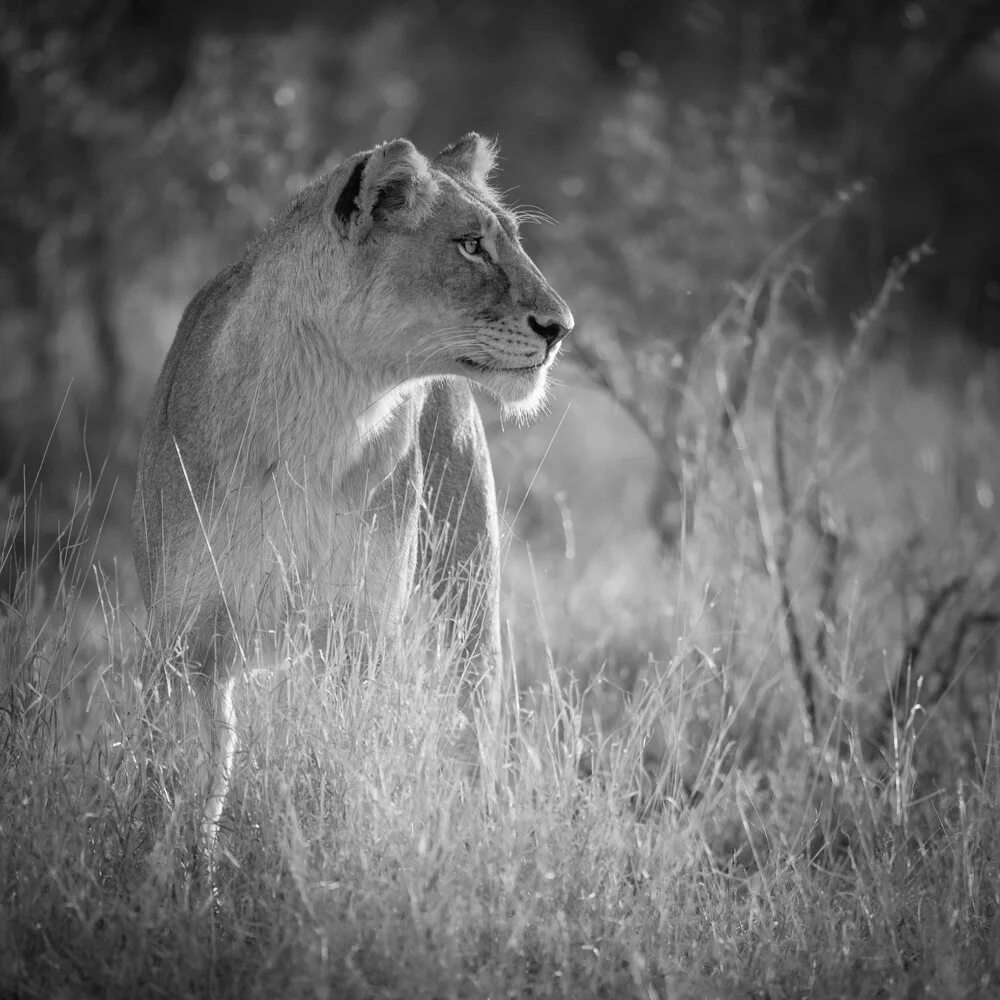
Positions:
(471, 246)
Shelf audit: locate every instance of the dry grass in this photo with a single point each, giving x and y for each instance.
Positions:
(659, 827)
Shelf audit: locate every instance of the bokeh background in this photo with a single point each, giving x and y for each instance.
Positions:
(688, 151)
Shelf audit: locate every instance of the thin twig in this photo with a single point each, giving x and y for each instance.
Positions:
(596, 367)
(828, 558)
(796, 649)
(915, 646)
(899, 693)
(968, 621)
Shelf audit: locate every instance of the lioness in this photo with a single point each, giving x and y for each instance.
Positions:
(314, 416)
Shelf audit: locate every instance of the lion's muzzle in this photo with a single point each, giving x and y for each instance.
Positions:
(552, 325)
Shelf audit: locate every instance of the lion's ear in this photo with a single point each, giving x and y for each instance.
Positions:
(393, 183)
(472, 155)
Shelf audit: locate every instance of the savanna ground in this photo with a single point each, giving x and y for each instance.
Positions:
(750, 739)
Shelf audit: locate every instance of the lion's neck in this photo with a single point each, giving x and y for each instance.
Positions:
(383, 432)
(320, 412)
(353, 427)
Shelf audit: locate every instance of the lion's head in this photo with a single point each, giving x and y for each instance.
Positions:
(413, 267)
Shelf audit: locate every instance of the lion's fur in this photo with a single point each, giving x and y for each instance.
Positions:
(314, 411)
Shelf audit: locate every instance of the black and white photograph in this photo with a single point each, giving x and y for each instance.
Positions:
(499, 499)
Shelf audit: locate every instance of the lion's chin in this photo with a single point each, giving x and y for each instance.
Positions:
(521, 394)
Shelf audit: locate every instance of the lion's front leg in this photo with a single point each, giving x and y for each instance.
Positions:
(460, 540)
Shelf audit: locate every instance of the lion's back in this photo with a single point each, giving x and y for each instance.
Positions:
(176, 467)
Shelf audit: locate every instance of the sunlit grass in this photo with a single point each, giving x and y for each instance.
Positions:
(647, 819)
(359, 858)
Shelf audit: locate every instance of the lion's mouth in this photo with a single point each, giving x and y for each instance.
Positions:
(496, 369)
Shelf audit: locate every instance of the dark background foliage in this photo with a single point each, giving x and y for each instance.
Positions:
(678, 143)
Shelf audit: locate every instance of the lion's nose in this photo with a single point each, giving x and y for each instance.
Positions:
(551, 329)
